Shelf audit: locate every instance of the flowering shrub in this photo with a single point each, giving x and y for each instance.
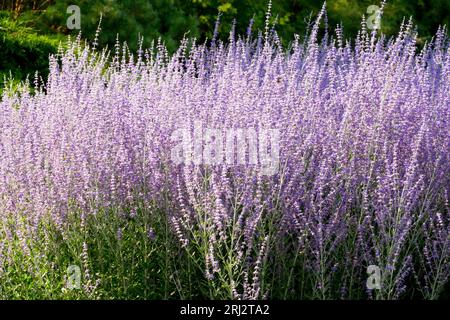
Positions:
(86, 174)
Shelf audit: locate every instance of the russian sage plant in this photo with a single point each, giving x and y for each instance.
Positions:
(88, 177)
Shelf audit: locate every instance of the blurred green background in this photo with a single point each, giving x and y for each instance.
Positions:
(31, 30)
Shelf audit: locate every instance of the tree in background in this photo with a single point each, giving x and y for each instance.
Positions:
(129, 19)
(171, 19)
(292, 16)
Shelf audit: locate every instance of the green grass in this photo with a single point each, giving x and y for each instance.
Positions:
(119, 260)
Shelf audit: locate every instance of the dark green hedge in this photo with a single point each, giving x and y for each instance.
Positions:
(22, 50)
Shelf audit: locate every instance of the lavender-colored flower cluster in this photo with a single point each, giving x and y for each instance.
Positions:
(364, 163)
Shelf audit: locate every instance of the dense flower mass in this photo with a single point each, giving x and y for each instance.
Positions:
(364, 158)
